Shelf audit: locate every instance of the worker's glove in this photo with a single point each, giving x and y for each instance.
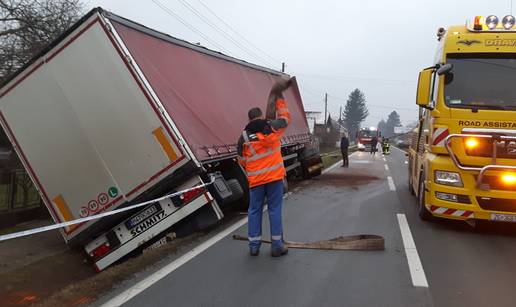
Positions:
(281, 85)
(275, 94)
(278, 123)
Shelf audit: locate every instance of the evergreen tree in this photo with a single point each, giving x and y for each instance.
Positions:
(355, 112)
(382, 126)
(392, 121)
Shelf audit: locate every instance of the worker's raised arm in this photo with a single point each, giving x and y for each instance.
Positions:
(279, 124)
(276, 94)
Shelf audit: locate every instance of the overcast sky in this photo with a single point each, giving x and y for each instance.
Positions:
(331, 46)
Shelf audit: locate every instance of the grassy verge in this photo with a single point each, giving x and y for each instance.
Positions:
(333, 157)
(8, 230)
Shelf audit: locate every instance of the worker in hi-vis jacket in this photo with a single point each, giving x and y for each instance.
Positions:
(259, 150)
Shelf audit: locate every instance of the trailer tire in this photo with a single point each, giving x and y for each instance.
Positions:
(236, 189)
(423, 213)
(317, 173)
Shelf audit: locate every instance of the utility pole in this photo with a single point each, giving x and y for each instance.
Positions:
(283, 67)
(325, 106)
(340, 115)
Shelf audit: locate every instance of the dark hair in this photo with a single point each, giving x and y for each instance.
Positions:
(254, 113)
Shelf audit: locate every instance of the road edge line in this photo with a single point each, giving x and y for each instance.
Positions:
(415, 267)
(331, 167)
(142, 285)
(148, 281)
(403, 151)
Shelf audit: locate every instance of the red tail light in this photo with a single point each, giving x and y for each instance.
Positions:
(100, 251)
(188, 196)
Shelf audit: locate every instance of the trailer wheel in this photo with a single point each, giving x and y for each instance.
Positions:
(423, 213)
(236, 189)
(317, 173)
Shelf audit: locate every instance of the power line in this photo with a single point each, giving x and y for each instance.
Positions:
(377, 106)
(189, 26)
(222, 32)
(352, 78)
(237, 33)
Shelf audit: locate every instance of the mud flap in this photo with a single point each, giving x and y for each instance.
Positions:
(225, 191)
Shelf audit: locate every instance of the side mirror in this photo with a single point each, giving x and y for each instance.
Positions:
(424, 86)
(444, 69)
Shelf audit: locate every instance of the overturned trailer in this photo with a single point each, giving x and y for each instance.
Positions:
(114, 113)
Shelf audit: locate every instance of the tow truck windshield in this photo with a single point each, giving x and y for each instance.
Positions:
(481, 82)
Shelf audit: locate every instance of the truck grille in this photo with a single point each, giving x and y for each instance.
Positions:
(497, 204)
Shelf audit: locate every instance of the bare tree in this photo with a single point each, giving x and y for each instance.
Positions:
(27, 26)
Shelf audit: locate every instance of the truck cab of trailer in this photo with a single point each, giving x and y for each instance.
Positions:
(462, 160)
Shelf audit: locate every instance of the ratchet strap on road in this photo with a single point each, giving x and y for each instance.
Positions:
(353, 242)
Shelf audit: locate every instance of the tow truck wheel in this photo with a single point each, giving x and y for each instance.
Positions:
(422, 211)
(409, 182)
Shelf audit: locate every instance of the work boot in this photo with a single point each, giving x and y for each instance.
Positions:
(254, 251)
(278, 252)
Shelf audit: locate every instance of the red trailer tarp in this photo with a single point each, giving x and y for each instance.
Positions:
(207, 96)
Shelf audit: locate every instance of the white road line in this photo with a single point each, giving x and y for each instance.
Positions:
(416, 268)
(171, 267)
(386, 167)
(392, 187)
(383, 158)
(403, 151)
(332, 167)
(174, 265)
(335, 164)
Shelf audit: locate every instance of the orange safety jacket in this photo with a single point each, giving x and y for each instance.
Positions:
(261, 153)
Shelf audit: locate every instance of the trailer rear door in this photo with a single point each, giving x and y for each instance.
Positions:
(85, 127)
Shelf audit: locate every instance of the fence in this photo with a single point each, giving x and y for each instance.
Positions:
(17, 193)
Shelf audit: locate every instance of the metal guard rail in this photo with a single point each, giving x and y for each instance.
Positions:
(482, 170)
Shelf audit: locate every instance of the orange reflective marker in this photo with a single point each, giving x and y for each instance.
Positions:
(159, 134)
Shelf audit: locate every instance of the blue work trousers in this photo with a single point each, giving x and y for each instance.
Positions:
(274, 193)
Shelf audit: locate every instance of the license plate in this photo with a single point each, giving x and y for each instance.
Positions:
(503, 217)
(142, 216)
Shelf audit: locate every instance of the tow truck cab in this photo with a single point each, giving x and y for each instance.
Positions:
(462, 159)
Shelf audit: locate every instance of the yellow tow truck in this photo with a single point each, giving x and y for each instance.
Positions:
(462, 157)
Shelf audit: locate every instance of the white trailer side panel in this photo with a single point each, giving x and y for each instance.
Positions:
(87, 132)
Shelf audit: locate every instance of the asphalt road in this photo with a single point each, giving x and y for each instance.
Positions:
(462, 266)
